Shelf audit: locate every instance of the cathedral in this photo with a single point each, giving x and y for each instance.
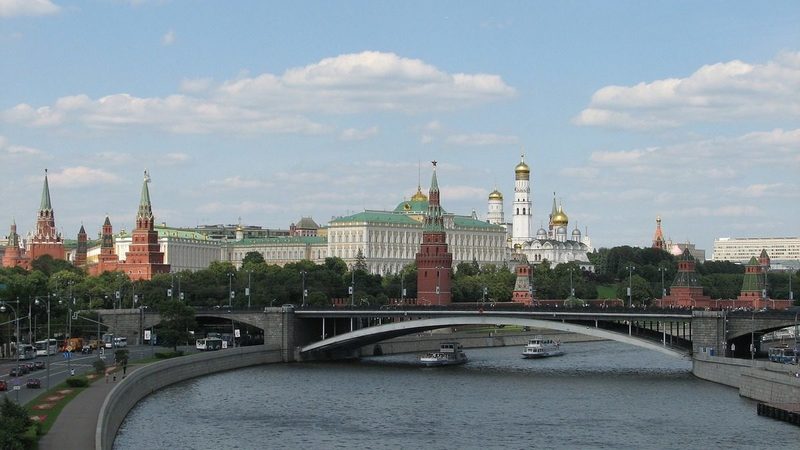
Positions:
(553, 244)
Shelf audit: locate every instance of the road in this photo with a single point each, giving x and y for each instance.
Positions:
(60, 369)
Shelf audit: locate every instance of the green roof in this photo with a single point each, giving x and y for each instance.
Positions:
(377, 217)
(177, 232)
(412, 206)
(469, 222)
(282, 240)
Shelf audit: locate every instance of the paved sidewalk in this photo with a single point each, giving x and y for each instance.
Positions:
(75, 426)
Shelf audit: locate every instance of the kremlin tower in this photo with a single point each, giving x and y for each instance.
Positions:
(14, 255)
(107, 261)
(46, 240)
(658, 237)
(82, 250)
(144, 258)
(686, 291)
(434, 262)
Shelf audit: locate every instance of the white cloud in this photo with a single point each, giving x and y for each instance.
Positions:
(717, 92)
(481, 139)
(114, 158)
(353, 134)
(269, 103)
(168, 38)
(15, 8)
(171, 159)
(17, 150)
(762, 190)
(81, 176)
(237, 182)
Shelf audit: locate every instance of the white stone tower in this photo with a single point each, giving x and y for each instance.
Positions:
(495, 215)
(523, 206)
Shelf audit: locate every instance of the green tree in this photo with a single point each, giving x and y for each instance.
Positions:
(641, 292)
(14, 422)
(361, 262)
(176, 320)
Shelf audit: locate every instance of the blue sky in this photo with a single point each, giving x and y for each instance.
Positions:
(270, 111)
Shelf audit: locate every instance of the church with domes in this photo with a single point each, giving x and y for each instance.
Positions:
(555, 243)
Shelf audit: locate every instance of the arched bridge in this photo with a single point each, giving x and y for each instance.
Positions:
(310, 332)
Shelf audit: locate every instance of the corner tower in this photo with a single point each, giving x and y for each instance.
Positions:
(523, 206)
(144, 258)
(434, 262)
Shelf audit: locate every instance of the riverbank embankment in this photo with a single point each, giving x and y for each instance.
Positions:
(764, 381)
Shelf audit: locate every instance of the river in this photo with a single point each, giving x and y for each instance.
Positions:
(598, 395)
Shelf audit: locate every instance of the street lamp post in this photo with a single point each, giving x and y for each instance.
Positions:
(571, 288)
(438, 288)
(353, 287)
(3, 306)
(248, 288)
(403, 289)
(663, 289)
(303, 272)
(791, 294)
(47, 340)
(230, 289)
(630, 285)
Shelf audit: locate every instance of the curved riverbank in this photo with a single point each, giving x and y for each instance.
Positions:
(146, 380)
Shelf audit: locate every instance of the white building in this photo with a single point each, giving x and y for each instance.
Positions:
(389, 240)
(783, 251)
(554, 244)
(278, 250)
(183, 250)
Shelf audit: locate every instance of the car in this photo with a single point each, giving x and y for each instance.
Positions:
(33, 383)
(38, 365)
(30, 366)
(15, 371)
(23, 369)
(3, 385)
(87, 349)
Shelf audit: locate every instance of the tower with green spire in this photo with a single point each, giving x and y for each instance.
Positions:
(46, 240)
(434, 262)
(144, 258)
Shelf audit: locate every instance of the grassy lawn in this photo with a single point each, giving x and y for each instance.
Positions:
(607, 291)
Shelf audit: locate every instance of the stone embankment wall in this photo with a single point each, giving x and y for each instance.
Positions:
(146, 380)
(759, 380)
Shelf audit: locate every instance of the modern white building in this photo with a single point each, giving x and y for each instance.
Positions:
(783, 251)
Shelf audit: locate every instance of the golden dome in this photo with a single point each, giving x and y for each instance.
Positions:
(560, 218)
(495, 195)
(518, 246)
(419, 196)
(522, 170)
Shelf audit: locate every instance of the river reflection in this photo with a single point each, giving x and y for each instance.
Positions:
(598, 395)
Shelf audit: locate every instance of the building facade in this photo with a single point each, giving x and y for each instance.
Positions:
(784, 251)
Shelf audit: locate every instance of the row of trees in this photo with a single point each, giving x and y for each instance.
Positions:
(67, 288)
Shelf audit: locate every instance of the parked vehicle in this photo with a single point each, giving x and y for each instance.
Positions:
(87, 349)
(3, 385)
(782, 354)
(33, 383)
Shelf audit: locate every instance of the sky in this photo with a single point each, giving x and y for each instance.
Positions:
(267, 111)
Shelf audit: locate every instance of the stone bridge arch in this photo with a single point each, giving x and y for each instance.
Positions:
(374, 334)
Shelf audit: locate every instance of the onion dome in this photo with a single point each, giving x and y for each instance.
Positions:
(517, 246)
(541, 234)
(560, 218)
(522, 171)
(495, 195)
(419, 196)
(576, 233)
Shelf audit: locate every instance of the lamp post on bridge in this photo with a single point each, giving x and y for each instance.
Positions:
(571, 287)
(304, 292)
(663, 289)
(230, 290)
(630, 268)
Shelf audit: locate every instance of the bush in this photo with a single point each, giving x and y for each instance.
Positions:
(99, 366)
(77, 382)
(167, 355)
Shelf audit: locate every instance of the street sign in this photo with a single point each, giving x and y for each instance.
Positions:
(246, 291)
(236, 333)
(146, 335)
(224, 344)
(17, 387)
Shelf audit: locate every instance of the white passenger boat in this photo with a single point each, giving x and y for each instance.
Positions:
(540, 347)
(450, 353)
